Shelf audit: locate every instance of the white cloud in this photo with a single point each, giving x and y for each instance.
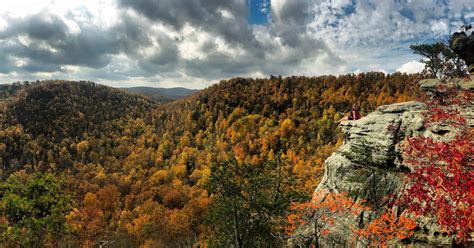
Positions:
(213, 41)
(72, 26)
(380, 32)
(277, 6)
(104, 12)
(192, 41)
(3, 23)
(411, 67)
(19, 62)
(227, 14)
(24, 40)
(439, 27)
(469, 15)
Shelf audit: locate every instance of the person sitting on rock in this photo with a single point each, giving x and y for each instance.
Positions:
(354, 115)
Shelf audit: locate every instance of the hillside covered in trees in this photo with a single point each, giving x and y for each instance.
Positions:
(161, 94)
(108, 166)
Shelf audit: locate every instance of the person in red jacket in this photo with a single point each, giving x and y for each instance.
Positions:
(354, 115)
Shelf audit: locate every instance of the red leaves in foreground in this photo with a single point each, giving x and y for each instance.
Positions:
(442, 108)
(441, 183)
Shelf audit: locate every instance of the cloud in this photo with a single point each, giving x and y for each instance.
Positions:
(411, 67)
(46, 43)
(221, 47)
(195, 43)
(380, 32)
(206, 14)
(39, 27)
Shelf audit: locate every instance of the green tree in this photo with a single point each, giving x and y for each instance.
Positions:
(433, 56)
(249, 203)
(33, 208)
(440, 60)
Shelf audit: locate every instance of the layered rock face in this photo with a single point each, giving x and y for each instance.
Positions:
(369, 166)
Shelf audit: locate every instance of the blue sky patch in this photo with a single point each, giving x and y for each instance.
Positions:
(259, 11)
(349, 9)
(408, 14)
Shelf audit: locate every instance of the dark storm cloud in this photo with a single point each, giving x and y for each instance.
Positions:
(279, 47)
(52, 45)
(295, 12)
(205, 14)
(209, 16)
(291, 23)
(6, 64)
(165, 59)
(167, 53)
(37, 27)
(132, 33)
(178, 13)
(40, 67)
(217, 64)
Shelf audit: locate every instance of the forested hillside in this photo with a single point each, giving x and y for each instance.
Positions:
(139, 173)
(163, 94)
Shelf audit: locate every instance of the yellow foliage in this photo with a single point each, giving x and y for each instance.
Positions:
(150, 243)
(90, 199)
(82, 146)
(122, 162)
(179, 170)
(159, 177)
(286, 127)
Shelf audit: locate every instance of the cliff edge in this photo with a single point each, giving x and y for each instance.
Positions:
(370, 166)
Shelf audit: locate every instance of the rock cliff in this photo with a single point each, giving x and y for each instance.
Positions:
(369, 166)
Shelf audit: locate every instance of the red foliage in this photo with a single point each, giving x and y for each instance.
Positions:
(442, 106)
(441, 182)
(448, 116)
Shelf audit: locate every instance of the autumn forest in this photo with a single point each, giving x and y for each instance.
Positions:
(85, 164)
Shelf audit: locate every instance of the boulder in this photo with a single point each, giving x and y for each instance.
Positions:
(463, 45)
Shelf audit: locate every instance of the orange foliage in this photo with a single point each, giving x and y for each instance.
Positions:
(386, 227)
(87, 221)
(125, 153)
(324, 207)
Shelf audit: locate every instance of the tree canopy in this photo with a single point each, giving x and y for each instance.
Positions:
(134, 166)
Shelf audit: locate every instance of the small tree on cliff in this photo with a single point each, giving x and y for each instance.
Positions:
(440, 60)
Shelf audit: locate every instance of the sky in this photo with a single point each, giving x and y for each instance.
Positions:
(193, 44)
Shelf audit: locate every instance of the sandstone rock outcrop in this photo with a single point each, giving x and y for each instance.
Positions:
(369, 166)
